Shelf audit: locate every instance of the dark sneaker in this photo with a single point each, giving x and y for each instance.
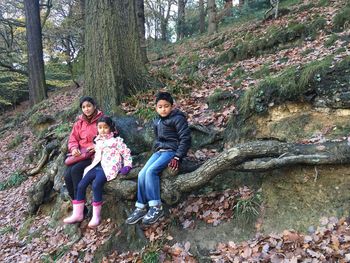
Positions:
(153, 214)
(136, 216)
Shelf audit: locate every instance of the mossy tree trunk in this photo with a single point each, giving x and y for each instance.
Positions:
(113, 62)
(140, 13)
(212, 25)
(181, 19)
(201, 16)
(36, 76)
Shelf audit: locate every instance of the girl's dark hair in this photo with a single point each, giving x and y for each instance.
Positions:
(164, 96)
(87, 98)
(109, 122)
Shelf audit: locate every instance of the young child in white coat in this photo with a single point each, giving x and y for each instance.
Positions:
(112, 156)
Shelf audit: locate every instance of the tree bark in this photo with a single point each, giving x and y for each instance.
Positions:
(212, 25)
(113, 62)
(254, 156)
(181, 19)
(201, 16)
(140, 14)
(36, 80)
(82, 8)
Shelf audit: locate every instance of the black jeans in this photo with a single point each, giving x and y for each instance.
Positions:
(73, 175)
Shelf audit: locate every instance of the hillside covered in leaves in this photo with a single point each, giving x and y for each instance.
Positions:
(247, 68)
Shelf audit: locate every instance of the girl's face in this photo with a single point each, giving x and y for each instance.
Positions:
(163, 108)
(88, 108)
(103, 128)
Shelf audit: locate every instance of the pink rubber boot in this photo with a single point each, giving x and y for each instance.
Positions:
(78, 213)
(96, 215)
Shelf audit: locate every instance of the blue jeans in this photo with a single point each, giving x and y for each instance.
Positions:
(148, 182)
(98, 179)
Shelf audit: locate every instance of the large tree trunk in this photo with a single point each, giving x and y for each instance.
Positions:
(113, 62)
(212, 24)
(181, 19)
(36, 80)
(253, 156)
(201, 16)
(163, 29)
(140, 14)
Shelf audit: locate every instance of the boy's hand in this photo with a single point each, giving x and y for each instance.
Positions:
(125, 170)
(174, 163)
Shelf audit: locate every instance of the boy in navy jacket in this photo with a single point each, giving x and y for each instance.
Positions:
(173, 139)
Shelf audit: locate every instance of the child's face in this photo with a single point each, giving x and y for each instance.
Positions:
(163, 108)
(103, 128)
(88, 108)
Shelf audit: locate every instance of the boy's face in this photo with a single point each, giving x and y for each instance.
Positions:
(163, 108)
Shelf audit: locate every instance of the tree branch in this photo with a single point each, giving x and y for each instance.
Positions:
(13, 69)
(252, 156)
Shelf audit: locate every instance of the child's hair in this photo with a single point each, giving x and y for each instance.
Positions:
(88, 99)
(164, 96)
(108, 121)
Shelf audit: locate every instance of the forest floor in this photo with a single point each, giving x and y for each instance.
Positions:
(25, 238)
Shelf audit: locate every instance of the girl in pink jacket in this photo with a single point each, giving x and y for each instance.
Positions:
(112, 156)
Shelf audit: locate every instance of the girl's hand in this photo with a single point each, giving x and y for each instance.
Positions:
(125, 170)
(76, 152)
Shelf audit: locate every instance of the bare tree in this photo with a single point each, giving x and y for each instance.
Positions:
(212, 23)
(160, 12)
(65, 33)
(36, 81)
(181, 19)
(12, 40)
(273, 7)
(140, 14)
(201, 16)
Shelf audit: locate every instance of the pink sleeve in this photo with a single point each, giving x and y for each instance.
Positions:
(125, 152)
(73, 141)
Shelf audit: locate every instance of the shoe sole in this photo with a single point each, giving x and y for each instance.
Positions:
(135, 221)
(152, 222)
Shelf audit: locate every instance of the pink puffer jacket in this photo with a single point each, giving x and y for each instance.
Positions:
(83, 132)
(113, 155)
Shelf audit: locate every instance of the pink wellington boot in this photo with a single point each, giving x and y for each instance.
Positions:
(96, 215)
(78, 212)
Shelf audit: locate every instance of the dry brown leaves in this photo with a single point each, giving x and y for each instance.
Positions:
(329, 243)
(212, 209)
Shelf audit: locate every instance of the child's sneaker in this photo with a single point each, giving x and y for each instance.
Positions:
(153, 214)
(136, 216)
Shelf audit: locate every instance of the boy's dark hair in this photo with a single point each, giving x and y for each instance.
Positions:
(87, 98)
(109, 122)
(164, 96)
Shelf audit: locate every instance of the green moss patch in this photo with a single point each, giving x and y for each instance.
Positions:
(342, 19)
(290, 85)
(273, 40)
(13, 181)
